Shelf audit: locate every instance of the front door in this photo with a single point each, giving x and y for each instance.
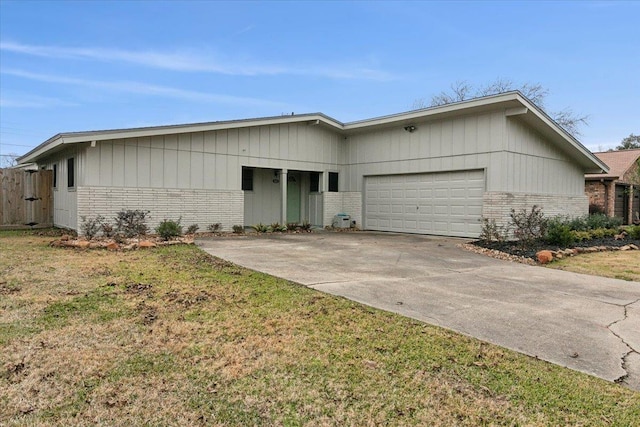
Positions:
(293, 198)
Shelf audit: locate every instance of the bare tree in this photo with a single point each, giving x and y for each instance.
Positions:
(463, 90)
(8, 160)
(460, 91)
(570, 121)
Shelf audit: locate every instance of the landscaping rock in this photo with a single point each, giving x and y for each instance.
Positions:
(544, 257)
(82, 244)
(146, 244)
(113, 246)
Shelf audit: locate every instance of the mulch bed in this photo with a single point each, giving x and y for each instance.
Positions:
(514, 251)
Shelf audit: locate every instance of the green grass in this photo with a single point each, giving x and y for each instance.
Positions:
(171, 336)
(623, 265)
(99, 305)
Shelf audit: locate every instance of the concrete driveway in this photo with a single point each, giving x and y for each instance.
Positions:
(590, 324)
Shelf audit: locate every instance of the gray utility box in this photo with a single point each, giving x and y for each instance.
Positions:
(341, 221)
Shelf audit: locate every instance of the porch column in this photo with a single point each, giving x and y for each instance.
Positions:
(283, 194)
(629, 212)
(610, 202)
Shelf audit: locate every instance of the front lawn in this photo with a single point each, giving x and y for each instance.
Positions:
(618, 264)
(172, 336)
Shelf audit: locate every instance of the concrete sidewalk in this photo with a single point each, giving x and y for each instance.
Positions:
(586, 323)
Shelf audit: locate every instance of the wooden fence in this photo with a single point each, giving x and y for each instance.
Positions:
(26, 198)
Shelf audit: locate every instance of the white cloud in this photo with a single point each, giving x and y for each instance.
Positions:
(143, 89)
(192, 61)
(32, 101)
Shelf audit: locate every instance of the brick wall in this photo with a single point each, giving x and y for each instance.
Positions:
(202, 207)
(497, 205)
(349, 202)
(596, 191)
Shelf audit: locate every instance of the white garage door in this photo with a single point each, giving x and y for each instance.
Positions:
(443, 203)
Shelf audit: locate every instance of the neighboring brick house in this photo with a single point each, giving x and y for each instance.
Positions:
(614, 193)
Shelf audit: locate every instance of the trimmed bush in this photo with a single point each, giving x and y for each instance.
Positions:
(580, 236)
(602, 221)
(634, 231)
(169, 229)
(560, 234)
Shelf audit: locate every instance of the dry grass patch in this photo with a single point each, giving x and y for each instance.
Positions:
(623, 265)
(171, 336)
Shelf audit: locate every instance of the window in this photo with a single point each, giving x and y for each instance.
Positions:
(314, 182)
(247, 179)
(71, 182)
(333, 181)
(55, 176)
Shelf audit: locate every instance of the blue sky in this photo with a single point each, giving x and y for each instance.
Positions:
(86, 65)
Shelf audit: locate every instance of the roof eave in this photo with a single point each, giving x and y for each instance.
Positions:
(531, 113)
(104, 135)
(536, 116)
(462, 107)
(33, 155)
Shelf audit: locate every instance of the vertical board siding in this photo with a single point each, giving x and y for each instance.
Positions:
(118, 165)
(210, 160)
(65, 213)
(143, 166)
(263, 204)
(537, 166)
(446, 145)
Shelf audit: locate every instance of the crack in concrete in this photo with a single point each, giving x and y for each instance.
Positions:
(622, 378)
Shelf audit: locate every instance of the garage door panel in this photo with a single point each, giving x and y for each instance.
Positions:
(411, 193)
(460, 211)
(396, 223)
(448, 203)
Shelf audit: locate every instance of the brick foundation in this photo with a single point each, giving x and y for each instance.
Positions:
(349, 202)
(202, 207)
(498, 206)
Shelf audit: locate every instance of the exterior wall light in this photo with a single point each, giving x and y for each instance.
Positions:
(410, 128)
